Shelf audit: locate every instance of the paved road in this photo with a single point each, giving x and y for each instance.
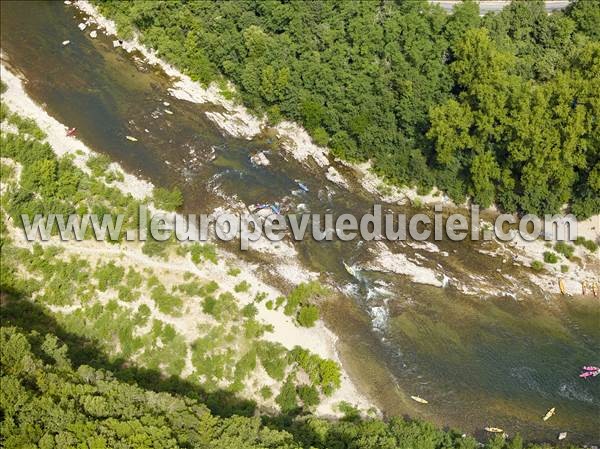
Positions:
(486, 6)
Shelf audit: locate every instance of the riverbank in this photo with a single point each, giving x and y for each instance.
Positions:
(236, 120)
(318, 339)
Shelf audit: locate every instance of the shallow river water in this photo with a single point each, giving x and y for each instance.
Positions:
(480, 360)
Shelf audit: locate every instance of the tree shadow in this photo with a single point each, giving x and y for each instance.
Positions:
(18, 311)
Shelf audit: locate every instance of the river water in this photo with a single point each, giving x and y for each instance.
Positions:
(480, 359)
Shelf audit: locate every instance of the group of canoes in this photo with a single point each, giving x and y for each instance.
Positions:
(277, 208)
(589, 371)
(586, 287)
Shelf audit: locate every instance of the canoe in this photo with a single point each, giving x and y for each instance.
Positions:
(548, 415)
(351, 271)
(418, 399)
(133, 139)
(493, 429)
(561, 285)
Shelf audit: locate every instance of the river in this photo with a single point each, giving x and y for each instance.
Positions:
(499, 359)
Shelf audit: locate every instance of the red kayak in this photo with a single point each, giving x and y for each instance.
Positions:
(71, 131)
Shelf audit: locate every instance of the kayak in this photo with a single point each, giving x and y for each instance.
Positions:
(351, 271)
(550, 413)
(71, 131)
(418, 399)
(133, 139)
(561, 285)
(493, 429)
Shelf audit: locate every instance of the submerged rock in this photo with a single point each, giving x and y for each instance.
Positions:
(259, 159)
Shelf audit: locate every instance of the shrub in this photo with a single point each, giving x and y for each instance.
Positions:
(266, 392)
(273, 358)
(233, 271)
(154, 248)
(588, 244)
(286, 399)
(98, 164)
(109, 275)
(302, 294)
(242, 287)
(564, 268)
(350, 412)
(259, 297)
(166, 199)
(536, 265)
(308, 395)
(166, 302)
(249, 310)
(200, 253)
(308, 315)
(565, 249)
(550, 257)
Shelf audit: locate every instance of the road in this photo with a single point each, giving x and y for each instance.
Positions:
(486, 6)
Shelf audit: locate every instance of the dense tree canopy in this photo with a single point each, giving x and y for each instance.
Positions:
(47, 402)
(502, 108)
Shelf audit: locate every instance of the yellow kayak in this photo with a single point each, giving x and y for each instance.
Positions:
(548, 415)
(494, 429)
(561, 285)
(133, 139)
(418, 399)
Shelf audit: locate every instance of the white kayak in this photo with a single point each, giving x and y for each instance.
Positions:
(420, 400)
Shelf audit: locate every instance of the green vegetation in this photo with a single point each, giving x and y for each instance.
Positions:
(588, 244)
(501, 108)
(98, 409)
(201, 252)
(242, 287)
(166, 199)
(98, 164)
(565, 249)
(234, 271)
(308, 315)
(299, 302)
(550, 257)
(536, 265)
(120, 308)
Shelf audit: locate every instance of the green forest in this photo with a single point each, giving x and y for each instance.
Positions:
(502, 108)
(48, 402)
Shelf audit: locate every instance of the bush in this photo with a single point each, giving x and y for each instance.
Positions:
(109, 275)
(550, 257)
(273, 358)
(166, 199)
(565, 249)
(233, 271)
(249, 310)
(242, 287)
(286, 399)
(536, 265)
(154, 248)
(308, 395)
(302, 294)
(165, 302)
(98, 164)
(308, 315)
(204, 252)
(266, 392)
(564, 268)
(588, 244)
